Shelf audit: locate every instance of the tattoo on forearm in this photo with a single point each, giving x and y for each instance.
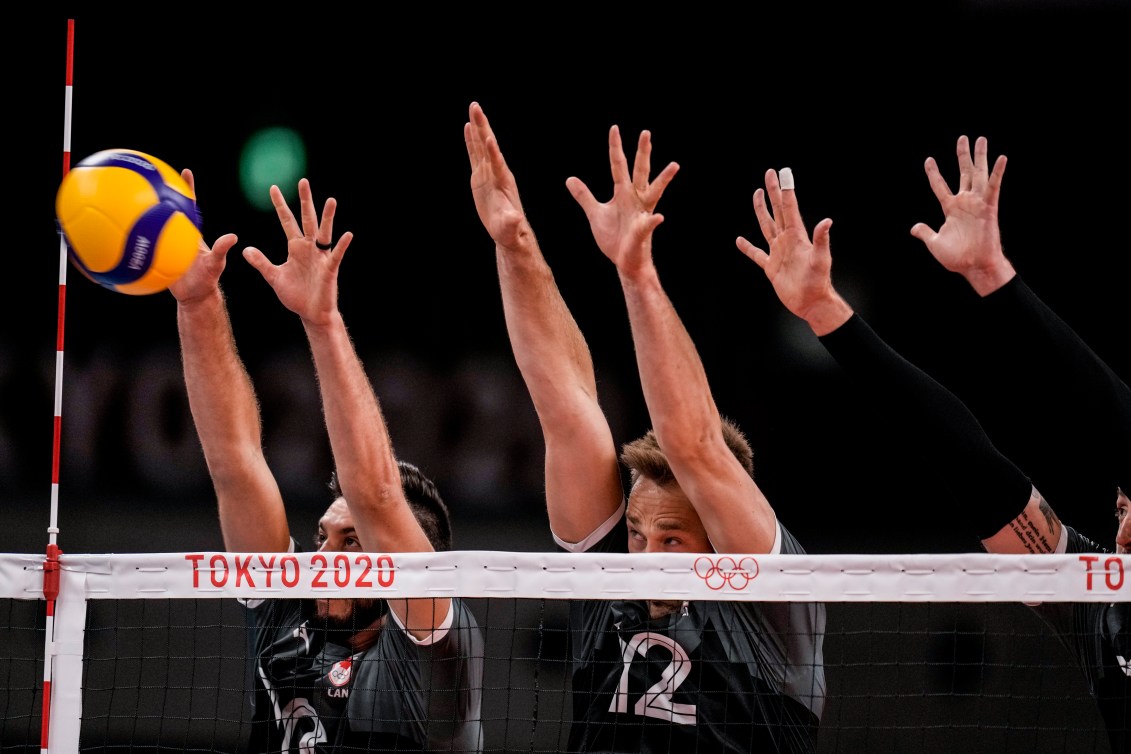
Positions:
(1034, 538)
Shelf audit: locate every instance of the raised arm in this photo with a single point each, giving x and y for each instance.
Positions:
(993, 499)
(688, 427)
(224, 408)
(367, 471)
(583, 486)
(969, 243)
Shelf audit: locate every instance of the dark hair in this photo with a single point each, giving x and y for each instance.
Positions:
(644, 458)
(429, 508)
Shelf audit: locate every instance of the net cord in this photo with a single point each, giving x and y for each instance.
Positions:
(974, 577)
(965, 577)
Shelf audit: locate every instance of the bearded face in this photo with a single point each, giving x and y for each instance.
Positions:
(663, 608)
(350, 615)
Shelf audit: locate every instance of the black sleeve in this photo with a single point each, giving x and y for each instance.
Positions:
(988, 487)
(1089, 385)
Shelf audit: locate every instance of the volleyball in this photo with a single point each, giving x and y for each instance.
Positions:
(130, 221)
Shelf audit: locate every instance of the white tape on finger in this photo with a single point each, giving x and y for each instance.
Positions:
(785, 178)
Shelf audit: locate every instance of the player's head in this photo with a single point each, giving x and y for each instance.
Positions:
(336, 533)
(1123, 516)
(660, 517)
(423, 498)
(427, 505)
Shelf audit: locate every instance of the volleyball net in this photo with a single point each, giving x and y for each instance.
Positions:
(924, 653)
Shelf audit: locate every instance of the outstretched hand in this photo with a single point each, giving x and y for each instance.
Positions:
(623, 226)
(492, 184)
(307, 282)
(969, 241)
(799, 270)
(203, 276)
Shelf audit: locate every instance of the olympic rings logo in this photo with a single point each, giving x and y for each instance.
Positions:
(726, 572)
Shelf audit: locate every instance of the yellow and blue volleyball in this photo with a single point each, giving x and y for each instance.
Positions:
(130, 221)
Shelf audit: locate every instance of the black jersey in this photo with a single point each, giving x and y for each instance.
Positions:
(714, 677)
(1099, 636)
(313, 695)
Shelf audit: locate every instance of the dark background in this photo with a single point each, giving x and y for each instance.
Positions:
(852, 97)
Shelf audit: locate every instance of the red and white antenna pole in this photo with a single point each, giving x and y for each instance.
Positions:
(51, 564)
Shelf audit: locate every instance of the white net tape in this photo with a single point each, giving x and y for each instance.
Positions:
(973, 577)
(168, 617)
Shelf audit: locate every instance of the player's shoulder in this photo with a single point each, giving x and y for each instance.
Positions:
(790, 545)
(462, 614)
(1078, 542)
